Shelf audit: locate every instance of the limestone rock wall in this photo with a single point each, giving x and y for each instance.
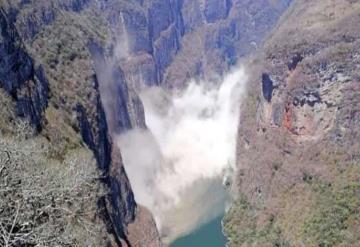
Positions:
(297, 151)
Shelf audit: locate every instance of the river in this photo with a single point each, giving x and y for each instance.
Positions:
(208, 235)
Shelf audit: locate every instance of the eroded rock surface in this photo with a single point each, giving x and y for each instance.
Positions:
(298, 143)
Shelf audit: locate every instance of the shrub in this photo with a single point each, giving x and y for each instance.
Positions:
(46, 202)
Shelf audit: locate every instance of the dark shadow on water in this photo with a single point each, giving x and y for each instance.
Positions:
(208, 235)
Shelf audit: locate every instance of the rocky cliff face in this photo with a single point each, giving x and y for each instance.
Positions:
(298, 181)
(19, 76)
(62, 97)
(169, 42)
(218, 34)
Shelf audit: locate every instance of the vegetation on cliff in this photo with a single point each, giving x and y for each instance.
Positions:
(298, 144)
(44, 201)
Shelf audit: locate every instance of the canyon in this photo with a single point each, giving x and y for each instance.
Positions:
(157, 106)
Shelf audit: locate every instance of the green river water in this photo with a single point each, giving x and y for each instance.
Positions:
(208, 235)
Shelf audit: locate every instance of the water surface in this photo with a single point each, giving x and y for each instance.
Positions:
(208, 235)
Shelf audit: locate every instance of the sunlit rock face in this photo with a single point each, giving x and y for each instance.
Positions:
(299, 132)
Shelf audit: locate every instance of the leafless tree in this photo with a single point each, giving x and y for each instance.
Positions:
(45, 202)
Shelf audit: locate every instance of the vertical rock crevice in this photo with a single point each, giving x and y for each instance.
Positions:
(19, 76)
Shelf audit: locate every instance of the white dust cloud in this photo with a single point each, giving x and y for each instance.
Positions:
(176, 168)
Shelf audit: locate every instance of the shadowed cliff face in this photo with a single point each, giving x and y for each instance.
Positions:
(19, 77)
(61, 98)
